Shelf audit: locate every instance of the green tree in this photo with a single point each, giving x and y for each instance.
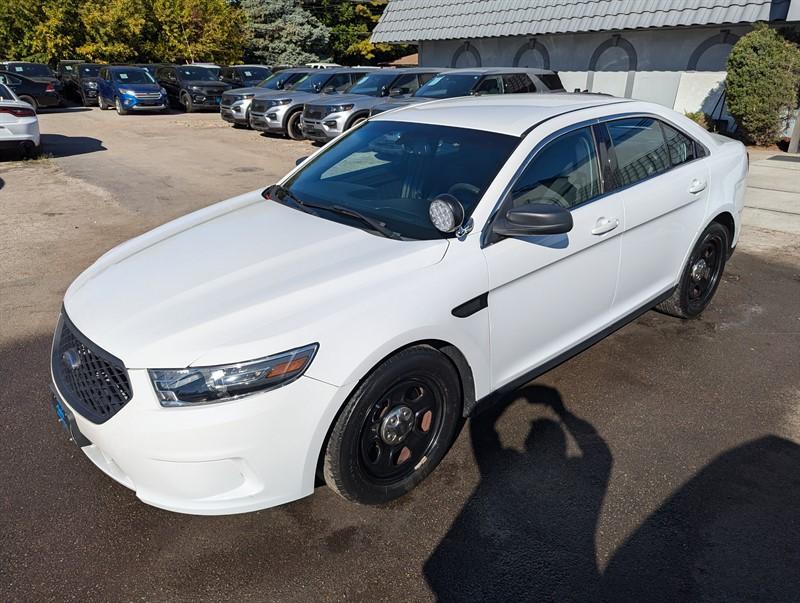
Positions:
(762, 84)
(281, 31)
(112, 29)
(18, 19)
(351, 24)
(59, 32)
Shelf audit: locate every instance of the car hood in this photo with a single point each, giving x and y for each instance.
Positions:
(248, 90)
(239, 280)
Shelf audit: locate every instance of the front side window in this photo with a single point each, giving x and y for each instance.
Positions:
(565, 173)
(391, 171)
(283, 80)
(490, 85)
(515, 83)
(317, 82)
(640, 149)
(374, 84)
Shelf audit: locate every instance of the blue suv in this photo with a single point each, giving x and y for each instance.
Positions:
(130, 89)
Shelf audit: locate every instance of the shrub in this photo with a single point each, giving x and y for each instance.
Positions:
(763, 81)
(700, 118)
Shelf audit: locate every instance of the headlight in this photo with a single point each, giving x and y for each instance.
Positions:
(247, 96)
(281, 101)
(90, 85)
(339, 108)
(205, 385)
(196, 88)
(127, 92)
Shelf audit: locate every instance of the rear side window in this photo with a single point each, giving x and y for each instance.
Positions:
(681, 148)
(640, 149)
(551, 80)
(514, 83)
(565, 173)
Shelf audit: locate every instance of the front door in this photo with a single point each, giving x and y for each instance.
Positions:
(546, 293)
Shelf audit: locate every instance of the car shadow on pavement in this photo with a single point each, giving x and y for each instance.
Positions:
(58, 145)
(732, 532)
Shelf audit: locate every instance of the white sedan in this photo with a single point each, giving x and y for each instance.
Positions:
(342, 322)
(19, 126)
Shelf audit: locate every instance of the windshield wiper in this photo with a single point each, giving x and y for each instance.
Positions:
(372, 222)
(309, 207)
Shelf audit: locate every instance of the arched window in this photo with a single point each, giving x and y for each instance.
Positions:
(712, 53)
(466, 56)
(532, 54)
(615, 54)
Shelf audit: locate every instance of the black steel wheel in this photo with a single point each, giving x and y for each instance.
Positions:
(396, 427)
(701, 275)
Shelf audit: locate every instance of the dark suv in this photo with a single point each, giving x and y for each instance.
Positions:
(82, 82)
(192, 87)
(244, 76)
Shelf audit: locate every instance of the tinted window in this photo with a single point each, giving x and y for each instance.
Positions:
(255, 74)
(392, 170)
(640, 149)
(551, 80)
(448, 86)
(490, 85)
(565, 173)
(5, 93)
(405, 84)
(89, 70)
(31, 69)
(424, 78)
(518, 82)
(373, 83)
(204, 74)
(681, 148)
(314, 83)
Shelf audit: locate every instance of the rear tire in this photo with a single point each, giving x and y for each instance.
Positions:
(701, 275)
(293, 130)
(395, 428)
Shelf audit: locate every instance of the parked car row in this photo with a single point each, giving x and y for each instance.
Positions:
(302, 103)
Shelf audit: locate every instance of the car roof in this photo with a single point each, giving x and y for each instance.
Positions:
(411, 69)
(499, 70)
(115, 67)
(250, 65)
(511, 114)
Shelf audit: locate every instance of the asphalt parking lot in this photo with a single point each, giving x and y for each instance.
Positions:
(661, 464)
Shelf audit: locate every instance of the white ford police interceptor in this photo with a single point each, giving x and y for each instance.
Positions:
(342, 322)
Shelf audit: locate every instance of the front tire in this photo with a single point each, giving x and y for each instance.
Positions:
(395, 428)
(120, 109)
(701, 275)
(293, 130)
(186, 101)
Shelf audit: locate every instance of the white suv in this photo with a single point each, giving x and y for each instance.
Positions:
(343, 322)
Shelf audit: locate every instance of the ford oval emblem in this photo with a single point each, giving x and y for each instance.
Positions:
(71, 358)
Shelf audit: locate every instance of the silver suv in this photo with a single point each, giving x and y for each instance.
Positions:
(235, 105)
(279, 112)
(479, 81)
(325, 119)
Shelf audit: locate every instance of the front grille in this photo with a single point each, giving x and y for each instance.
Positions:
(312, 112)
(94, 382)
(148, 95)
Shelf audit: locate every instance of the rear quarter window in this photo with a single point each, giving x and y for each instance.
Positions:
(551, 80)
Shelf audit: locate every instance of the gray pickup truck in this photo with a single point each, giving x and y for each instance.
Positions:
(325, 119)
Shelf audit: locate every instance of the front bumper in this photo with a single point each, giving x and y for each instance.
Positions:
(232, 457)
(325, 129)
(270, 120)
(132, 103)
(237, 113)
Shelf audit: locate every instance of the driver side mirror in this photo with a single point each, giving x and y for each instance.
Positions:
(300, 160)
(534, 219)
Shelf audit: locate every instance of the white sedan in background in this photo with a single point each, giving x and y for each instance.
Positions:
(341, 323)
(19, 125)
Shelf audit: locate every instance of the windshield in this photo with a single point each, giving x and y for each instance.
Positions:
(202, 74)
(31, 69)
(254, 74)
(281, 80)
(89, 70)
(373, 84)
(133, 76)
(313, 83)
(448, 85)
(390, 171)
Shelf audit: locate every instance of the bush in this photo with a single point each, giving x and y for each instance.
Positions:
(763, 81)
(700, 118)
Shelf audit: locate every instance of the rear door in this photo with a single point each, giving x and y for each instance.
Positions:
(662, 180)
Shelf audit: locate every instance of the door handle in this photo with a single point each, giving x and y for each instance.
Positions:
(604, 225)
(697, 186)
